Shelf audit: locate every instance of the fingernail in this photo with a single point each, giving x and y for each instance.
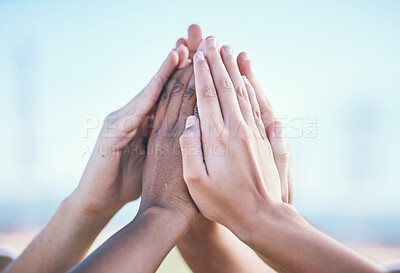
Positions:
(190, 121)
(245, 80)
(179, 48)
(199, 56)
(212, 42)
(183, 64)
(153, 80)
(228, 50)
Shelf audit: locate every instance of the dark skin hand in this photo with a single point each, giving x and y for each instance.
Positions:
(163, 182)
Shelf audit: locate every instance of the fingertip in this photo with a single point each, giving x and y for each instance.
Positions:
(181, 41)
(199, 57)
(202, 46)
(183, 53)
(168, 66)
(242, 57)
(173, 57)
(191, 126)
(194, 29)
(194, 37)
(226, 50)
(275, 130)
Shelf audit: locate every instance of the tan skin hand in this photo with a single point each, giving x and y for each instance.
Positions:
(113, 175)
(241, 186)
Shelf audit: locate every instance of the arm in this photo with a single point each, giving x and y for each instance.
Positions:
(248, 201)
(210, 247)
(141, 245)
(111, 178)
(53, 250)
(297, 246)
(166, 209)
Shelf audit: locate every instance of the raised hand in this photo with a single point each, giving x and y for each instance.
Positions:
(228, 130)
(113, 175)
(163, 183)
(229, 167)
(166, 210)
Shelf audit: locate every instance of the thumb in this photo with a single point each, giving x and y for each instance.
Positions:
(147, 98)
(194, 169)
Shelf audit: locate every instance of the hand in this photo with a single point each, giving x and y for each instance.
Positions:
(163, 184)
(114, 171)
(193, 41)
(283, 154)
(238, 165)
(237, 183)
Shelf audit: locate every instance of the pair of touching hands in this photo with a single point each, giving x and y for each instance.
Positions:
(139, 145)
(161, 150)
(200, 144)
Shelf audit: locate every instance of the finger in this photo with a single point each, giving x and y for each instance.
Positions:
(146, 99)
(239, 86)
(206, 95)
(163, 100)
(194, 39)
(188, 103)
(181, 41)
(281, 156)
(255, 108)
(176, 97)
(194, 169)
(223, 84)
(202, 46)
(246, 68)
(183, 53)
(291, 182)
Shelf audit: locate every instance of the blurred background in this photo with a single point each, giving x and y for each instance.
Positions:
(331, 70)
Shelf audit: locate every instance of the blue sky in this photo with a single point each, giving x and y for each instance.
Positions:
(332, 65)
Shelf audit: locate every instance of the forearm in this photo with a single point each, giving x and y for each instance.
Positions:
(140, 246)
(215, 249)
(286, 238)
(62, 243)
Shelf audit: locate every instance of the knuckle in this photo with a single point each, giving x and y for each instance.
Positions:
(178, 87)
(241, 91)
(189, 92)
(225, 85)
(208, 91)
(282, 156)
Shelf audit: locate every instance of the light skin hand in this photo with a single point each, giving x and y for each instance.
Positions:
(111, 179)
(166, 210)
(282, 151)
(249, 200)
(209, 246)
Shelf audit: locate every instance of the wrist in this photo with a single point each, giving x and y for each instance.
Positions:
(268, 219)
(74, 207)
(184, 217)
